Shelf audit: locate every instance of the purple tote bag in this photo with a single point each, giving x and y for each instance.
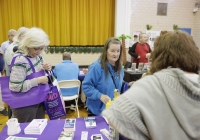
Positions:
(54, 102)
(35, 95)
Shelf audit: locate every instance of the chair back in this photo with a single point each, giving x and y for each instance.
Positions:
(64, 84)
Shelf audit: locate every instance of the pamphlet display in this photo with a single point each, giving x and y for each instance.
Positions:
(70, 125)
(66, 135)
(36, 129)
(140, 66)
(90, 122)
(36, 126)
(19, 138)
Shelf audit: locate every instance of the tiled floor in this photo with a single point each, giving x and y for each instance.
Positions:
(70, 114)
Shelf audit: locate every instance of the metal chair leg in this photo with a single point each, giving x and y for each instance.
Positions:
(77, 107)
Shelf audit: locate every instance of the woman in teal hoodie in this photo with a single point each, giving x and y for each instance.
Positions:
(104, 76)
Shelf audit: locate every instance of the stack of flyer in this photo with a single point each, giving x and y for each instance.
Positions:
(69, 125)
(36, 126)
(66, 135)
(90, 122)
(20, 138)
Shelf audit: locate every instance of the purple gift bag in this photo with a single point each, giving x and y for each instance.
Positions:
(54, 103)
(35, 95)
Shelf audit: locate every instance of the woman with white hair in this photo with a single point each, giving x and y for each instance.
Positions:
(9, 52)
(30, 48)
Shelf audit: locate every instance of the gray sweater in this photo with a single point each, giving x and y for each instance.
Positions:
(162, 106)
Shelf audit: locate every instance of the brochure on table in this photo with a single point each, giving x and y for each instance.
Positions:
(36, 126)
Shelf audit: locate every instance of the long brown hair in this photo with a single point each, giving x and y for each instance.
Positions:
(176, 49)
(103, 57)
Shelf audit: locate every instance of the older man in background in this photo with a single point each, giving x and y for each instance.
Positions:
(67, 70)
(5, 45)
(140, 51)
(9, 53)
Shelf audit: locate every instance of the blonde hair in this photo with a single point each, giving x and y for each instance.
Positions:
(34, 38)
(20, 34)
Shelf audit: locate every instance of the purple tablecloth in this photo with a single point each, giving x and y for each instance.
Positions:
(54, 128)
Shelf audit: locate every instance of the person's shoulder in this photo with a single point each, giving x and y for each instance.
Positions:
(135, 44)
(144, 88)
(20, 58)
(169, 72)
(5, 42)
(147, 44)
(147, 83)
(12, 45)
(75, 63)
(147, 79)
(154, 79)
(10, 48)
(96, 64)
(59, 64)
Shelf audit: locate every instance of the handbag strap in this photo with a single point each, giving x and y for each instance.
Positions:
(31, 64)
(50, 76)
(13, 60)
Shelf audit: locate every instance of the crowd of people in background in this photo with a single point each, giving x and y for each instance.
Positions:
(164, 104)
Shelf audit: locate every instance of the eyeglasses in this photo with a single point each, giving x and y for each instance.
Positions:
(38, 49)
